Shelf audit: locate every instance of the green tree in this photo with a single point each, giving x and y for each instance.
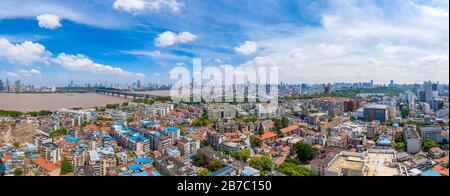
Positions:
(405, 112)
(202, 121)
(429, 144)
(130, 119)
(112, 106)
(285, 122)
(131, 153)
(215, 165)
(16, 144)
(400, 146)
(278, 125)
(292, 169)
(291, 160)
(18, 172)
(305, 152)
(242, 155)
(183, 131)
(58, 133)
(254, 141)
(66, 166)
(399, 138)
(262, 163)
(198, 159)
(10, 113)
(44, 113)
(446, 165)
(204, 172)
(261, 129)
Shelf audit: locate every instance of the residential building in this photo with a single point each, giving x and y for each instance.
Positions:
(376, 112)
(431, 132)
(412, 140)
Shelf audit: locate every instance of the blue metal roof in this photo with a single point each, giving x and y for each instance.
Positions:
(222, 171)
(106, 138)
(71, 138)
(140, 174)
(143, 160)
(384, 141)
(156, 173)
(134, 167)
(431, 173)
(3, 167)
(156, 134)
(138, 138)
(149, 122)
(249, 171)
(171, 129)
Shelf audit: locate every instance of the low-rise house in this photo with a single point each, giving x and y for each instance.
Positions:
(268, 138)
(290, 130)
(419, 161)
(170, 166)
(370, 163)
(436, 153)
(46, 167)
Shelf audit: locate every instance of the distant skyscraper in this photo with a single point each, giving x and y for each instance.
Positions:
(328, 88)
(437, 104)
(1, 86)
(421, 95)
(411, 100)
(430, 91)
(8, 86)
(138, 84)
(18, 85)
(391, 84)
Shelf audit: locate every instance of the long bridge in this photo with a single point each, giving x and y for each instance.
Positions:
(125, 94)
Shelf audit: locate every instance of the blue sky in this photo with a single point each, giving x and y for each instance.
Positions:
(315, 41)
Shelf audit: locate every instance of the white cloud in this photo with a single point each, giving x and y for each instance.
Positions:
(20, 73)
(247, 48)
(137, 6)
(181, 64)
(169, 38)
(331, 50)
(23, 53)
(140, 75)
(156, 55)
(360, 42)
(27, 53)
(83, 63)
(49, 21)
(87, 13)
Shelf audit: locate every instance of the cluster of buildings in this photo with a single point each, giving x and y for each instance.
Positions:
(371, 134)
(7, 86)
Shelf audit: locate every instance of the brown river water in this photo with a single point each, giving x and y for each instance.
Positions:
(53, 102)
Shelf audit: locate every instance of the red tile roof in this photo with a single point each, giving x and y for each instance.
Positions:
(267, 135)
(289, 129)
(231, 134)
(441, 170)
(442, 160)
(47, 165)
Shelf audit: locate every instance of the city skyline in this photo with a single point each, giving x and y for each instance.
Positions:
(49, 43)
